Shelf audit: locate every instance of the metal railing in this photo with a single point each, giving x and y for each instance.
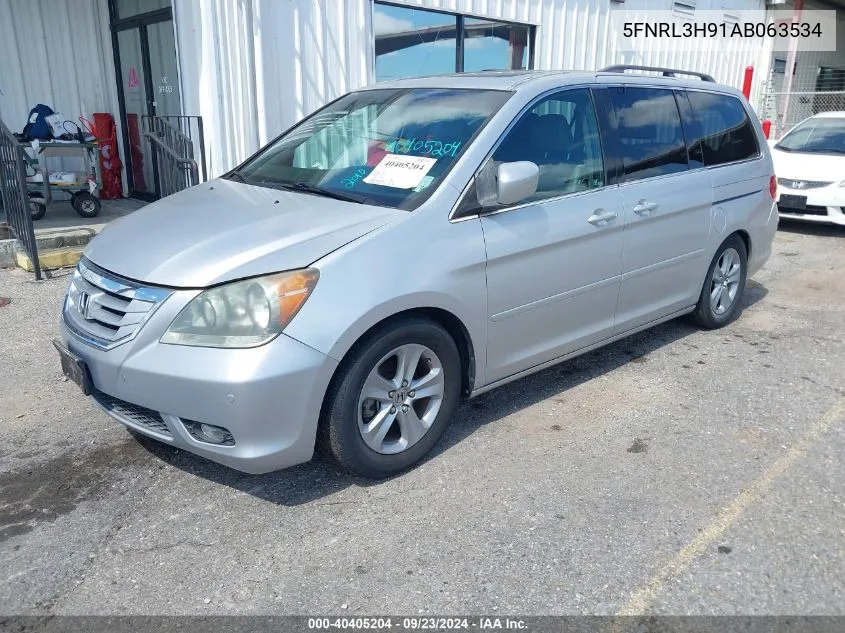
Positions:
(14, 197)
(178, 147)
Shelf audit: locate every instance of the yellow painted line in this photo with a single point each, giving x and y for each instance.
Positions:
(643, 597)
(51, 258)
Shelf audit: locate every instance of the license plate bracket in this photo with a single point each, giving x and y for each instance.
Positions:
(74, 368)
(790, 201)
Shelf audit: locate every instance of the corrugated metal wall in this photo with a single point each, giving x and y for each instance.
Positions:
(58, 53)
(252, 68)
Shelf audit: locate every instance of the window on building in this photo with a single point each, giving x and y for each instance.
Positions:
(830, 79)
(779, 66)
(490, 45)
(128, 8)
(724, 130)
(684, 8)
(412, 42)
(560, 135)
(650, 141)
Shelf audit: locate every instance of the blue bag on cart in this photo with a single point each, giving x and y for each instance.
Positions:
(36, 125)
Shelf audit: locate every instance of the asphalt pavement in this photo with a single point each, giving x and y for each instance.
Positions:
(679, 471)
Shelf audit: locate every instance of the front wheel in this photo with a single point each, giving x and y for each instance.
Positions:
(720, 301)
(393, 398)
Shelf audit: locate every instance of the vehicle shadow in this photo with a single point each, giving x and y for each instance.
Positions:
(322, 477)
(809, 228)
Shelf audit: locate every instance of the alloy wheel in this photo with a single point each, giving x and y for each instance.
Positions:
(724, 282)
(401, 398)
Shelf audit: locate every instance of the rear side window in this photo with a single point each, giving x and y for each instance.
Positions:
(649, 138)
(723, 133)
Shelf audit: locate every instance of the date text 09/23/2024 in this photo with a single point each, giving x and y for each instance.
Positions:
(420, 623)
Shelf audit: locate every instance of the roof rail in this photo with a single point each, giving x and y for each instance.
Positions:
(667, 72)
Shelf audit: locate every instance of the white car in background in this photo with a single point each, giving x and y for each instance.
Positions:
(810, 167)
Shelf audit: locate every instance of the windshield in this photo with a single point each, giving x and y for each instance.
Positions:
(384, 147)
(822, 135)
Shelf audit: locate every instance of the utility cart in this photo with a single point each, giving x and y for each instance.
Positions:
(82, 188)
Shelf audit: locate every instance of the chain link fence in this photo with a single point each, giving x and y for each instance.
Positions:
(811, 91)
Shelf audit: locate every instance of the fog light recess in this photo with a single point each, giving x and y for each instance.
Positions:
(209, 433)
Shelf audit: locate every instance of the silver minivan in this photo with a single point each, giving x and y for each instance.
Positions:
(414, 243)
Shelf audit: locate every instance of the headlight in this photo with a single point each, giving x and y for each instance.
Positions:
(245, 313)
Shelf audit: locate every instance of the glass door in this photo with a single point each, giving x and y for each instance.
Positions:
(163, 71)
(136, 105)
(148, 85)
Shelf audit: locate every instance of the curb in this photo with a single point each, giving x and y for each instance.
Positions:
(51, 258)
(49, 242)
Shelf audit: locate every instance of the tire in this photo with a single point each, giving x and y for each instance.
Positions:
(86, 205)
(718, 307)
(395, 414)
(37, 206)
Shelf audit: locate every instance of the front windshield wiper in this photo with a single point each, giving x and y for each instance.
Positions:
(320, 191)
(235, 174)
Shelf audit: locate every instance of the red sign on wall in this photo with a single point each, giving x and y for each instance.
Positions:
(133, 77)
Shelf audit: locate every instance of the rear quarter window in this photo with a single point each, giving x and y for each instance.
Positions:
(722, 132)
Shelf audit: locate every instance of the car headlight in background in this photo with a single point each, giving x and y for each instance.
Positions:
(244, 313)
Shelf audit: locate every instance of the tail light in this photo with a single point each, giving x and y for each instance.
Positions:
(773, 187)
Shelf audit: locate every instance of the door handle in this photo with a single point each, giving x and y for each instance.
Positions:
(644, 207)
(601, 217)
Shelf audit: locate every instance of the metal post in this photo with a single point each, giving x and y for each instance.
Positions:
(790, 69)
(746, 83)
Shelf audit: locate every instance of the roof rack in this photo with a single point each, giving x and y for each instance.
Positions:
(667, 72)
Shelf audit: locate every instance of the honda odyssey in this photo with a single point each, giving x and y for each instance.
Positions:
(414, 243)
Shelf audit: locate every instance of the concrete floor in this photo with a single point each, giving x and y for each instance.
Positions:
(679, 471)
(61, 216)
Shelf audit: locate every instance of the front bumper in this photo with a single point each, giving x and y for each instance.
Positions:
(268, 397)
(824, 205)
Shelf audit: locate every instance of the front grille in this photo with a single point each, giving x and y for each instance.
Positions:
(808, 210)
(137, 414)
(795, 183)
(105, 309)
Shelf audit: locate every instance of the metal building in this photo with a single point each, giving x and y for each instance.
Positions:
(250, 68)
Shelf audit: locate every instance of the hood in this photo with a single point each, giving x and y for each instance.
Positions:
(818, 167)
(224, 230)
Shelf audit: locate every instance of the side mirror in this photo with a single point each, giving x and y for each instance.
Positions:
(516, 181)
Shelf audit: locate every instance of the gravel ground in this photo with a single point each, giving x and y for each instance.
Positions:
(678, 471)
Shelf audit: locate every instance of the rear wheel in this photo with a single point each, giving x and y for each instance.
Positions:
(37, 206)
(720, 301)
(393, 398)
